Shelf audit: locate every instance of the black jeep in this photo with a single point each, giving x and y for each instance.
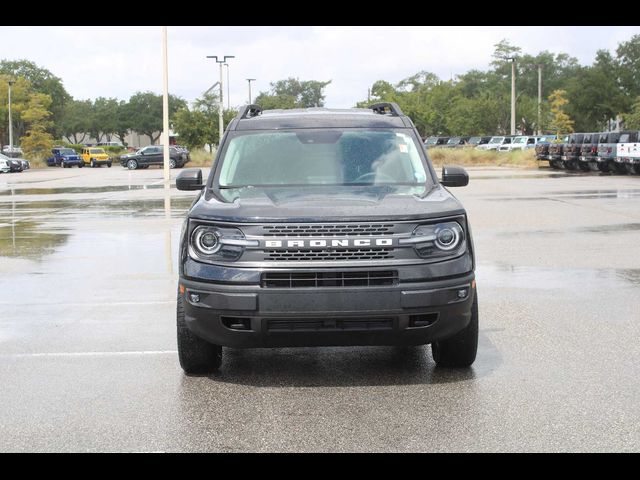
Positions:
(325, 227)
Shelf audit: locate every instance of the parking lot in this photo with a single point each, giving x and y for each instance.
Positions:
(88, 278)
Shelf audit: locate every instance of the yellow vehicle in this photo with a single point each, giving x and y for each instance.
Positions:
(95, 157)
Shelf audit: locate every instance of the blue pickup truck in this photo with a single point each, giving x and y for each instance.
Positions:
(64, 157)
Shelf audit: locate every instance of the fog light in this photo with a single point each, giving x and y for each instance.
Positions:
(462, 293)
(194, 297)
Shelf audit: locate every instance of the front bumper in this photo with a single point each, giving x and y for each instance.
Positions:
(412, 313)
(97, 161)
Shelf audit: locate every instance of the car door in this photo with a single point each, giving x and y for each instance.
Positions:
(146, 156)
(153, 155)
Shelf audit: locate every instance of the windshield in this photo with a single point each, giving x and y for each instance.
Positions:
(519, 139)
(431, 140)
(475, 140)
(496, 140)
(322, 157)
(96, 150)
(67, 151)
(454, 141)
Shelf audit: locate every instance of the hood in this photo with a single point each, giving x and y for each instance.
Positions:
(319, 204)
(72, 157)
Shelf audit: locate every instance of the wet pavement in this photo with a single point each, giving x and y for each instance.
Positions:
(87, 331)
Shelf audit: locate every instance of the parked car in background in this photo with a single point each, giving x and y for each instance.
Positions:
(435, 141)
(4, 166)
(95, 157)
(12, 152)
(183, 149)
(555, 152)
(25, 163)
(15, 165)
(571, 151)
(628, 153)
(64, 157)
(542, 147)
(521, 142)
(110, 144)
(588, 150)
(495, 143)
(607, 149)
(625, 153)
(456, 142)
(475, 141)
(153, 155)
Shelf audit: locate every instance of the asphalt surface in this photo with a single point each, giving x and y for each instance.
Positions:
(88, 357)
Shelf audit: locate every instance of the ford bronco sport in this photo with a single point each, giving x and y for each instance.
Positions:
(321, 227)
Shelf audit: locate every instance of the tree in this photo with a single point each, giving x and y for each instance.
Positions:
(145, 113)
(293, 93)
(560, 123)
(37, 142)
(123, 121)
(104, 120)
(199, 125)
(43, 81)
(628, 59)
(632, 119)
(76, 120)
(20, 92)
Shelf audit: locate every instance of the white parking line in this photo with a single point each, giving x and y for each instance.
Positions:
(89, 354)
(86, 304)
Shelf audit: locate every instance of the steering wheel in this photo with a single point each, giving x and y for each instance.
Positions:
(373, 175)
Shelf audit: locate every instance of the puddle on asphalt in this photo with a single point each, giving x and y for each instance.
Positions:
(97, 207)
(26, 239)
(544, 278)
(575, 195)
(606, 229)
(63, 190)
(521, 176)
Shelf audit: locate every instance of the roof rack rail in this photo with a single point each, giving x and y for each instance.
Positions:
(249, 111)
(384, 108)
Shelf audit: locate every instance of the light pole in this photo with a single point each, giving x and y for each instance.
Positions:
(10, 82)
(513, 94)
(221, 104)
(249, 80)
(539, 65)
(228, 91)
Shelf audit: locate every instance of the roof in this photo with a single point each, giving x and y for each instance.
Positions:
(319, 117)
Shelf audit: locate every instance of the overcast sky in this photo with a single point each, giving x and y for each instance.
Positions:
(118, 61)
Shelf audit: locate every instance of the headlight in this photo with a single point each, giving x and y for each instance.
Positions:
(437, 240)
(211, 243)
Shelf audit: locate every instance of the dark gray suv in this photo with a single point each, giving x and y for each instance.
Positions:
(325, 227)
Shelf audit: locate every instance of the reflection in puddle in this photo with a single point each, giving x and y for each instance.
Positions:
(26, 239)
(521, 176)
(54, 191)
(576, 195)
(606, 229)
(578, 280)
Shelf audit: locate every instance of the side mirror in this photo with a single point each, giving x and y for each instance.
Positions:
(190, 180)
(454, 176)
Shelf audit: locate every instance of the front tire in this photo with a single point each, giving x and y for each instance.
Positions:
(196, 355)
(132, 164)
(459, 350)
(172, 163)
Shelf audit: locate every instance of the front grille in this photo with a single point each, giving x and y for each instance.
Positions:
(326, 230)
(329, 279)
(329, 324)
(342, 254)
